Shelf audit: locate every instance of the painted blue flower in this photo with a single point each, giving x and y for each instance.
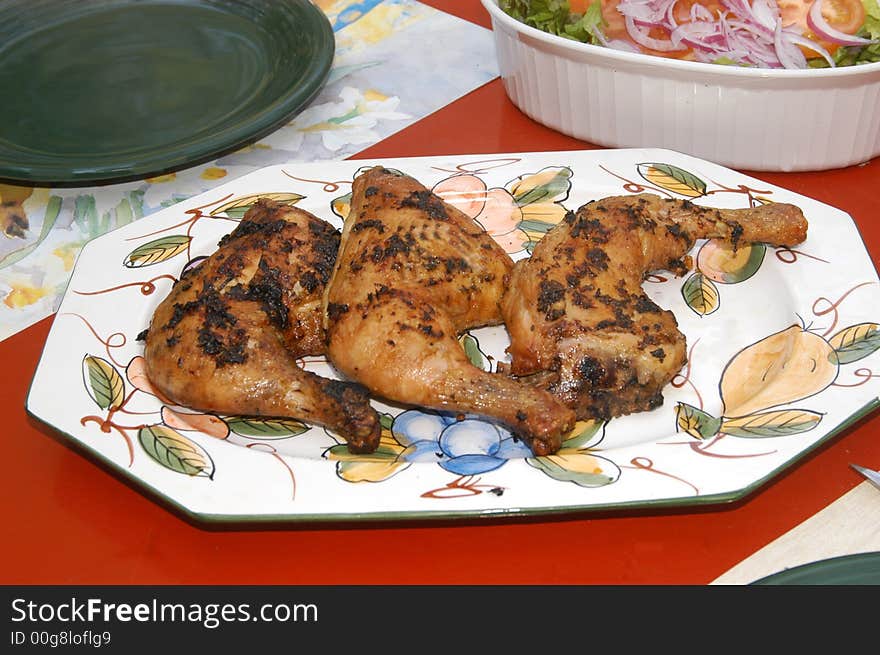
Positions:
(464, 446)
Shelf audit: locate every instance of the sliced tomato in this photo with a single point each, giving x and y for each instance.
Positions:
(844, 15)
(847, 16)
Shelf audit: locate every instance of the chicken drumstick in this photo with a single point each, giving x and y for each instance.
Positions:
(412, 274)
(227, 337)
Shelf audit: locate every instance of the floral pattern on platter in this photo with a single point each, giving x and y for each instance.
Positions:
(776, 385)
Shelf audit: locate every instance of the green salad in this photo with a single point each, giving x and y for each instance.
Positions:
(756, 33)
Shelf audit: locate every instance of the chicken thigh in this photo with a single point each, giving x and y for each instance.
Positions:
(580, 323)
(227, 337)
(412, 274)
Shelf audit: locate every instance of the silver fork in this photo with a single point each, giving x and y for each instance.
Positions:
(872, 475)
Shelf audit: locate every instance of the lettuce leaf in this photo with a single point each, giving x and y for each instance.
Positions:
(546, 15)
(556, 17)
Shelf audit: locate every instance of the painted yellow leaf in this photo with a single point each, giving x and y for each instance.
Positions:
(855, 342)
(103, 382)
(546, 212)
(158, 250)
(772, 424)
(369, 471)
(696, 422)
(576, 460)
(672, 178)
(175, 452)
(549, 185)
(245, 202)
(701, 294)
(578, 466)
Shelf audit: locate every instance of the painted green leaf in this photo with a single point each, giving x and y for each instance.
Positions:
(386, 420)
(696, 422)
(855, 342)
(265, 428)
(583, 434)
(103, 382)
(779, 423)
(548, 185)
(583, 468)
(158, 250)
(175, 452)
(472, 350)
(540, 227)
(238, 207)
(672, 178)
(701, 294)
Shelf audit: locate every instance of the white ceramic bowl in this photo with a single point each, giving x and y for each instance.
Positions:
(747, 118)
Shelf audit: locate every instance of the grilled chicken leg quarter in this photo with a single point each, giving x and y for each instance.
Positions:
(580, 324)
(227, 337)
(412, 274)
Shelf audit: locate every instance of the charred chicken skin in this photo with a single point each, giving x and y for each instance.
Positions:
(412, 274)
(580, 323)
(227, 337)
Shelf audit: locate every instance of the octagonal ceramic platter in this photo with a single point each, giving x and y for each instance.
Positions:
(809, 313)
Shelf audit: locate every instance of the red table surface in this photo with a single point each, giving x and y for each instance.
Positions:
(68, 521)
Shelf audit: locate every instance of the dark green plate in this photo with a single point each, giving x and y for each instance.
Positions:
(113, 90)
(859, 569)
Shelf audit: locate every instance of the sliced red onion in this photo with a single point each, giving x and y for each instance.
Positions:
(766, 13)
(790, 56)
(759, 16)
(643, 39)
(671, 23)
(700, 13)
(800, 39)
(749, 32)
(816, 21)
